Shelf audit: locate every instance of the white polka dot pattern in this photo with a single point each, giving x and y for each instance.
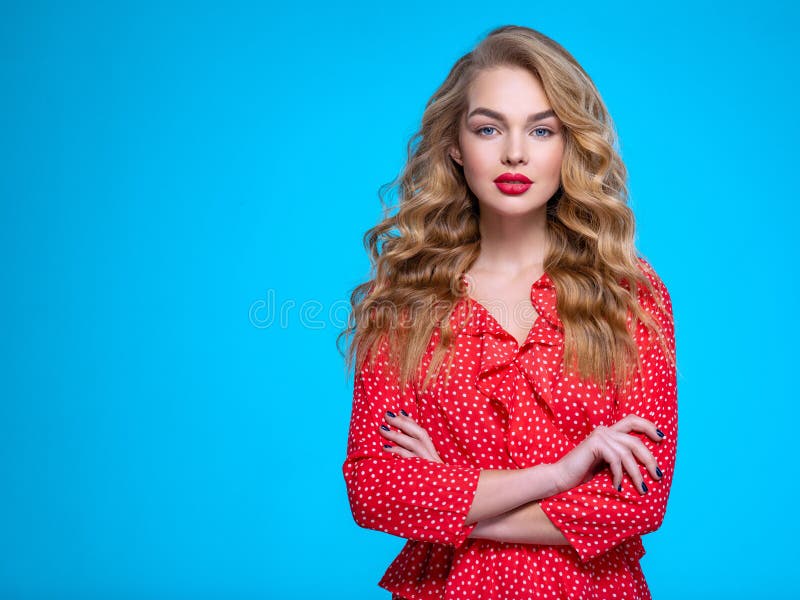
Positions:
(508, 407)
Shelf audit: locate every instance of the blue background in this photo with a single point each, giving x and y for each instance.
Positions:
(183, 191)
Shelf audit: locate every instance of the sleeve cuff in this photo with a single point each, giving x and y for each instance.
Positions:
(412, 498)
(560, 522)
(570, 514)
(449, 490)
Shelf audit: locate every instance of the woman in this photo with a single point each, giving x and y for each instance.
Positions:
(514, 410)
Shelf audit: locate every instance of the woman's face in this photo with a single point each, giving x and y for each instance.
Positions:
(509, 129)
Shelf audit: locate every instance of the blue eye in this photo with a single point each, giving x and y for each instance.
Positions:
(488, 130)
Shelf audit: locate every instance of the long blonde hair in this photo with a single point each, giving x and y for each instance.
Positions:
(419, 253)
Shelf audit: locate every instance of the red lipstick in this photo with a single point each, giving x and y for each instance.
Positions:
(513, 183)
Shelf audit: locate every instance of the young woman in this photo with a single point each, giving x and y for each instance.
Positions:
(514, 411)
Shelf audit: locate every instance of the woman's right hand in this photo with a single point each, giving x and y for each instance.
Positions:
(615, 446)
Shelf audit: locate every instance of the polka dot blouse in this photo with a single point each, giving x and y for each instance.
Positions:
(508, 406)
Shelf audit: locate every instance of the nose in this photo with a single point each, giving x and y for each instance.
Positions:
(515, 151)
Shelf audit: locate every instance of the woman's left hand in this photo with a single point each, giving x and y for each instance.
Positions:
(409, 439)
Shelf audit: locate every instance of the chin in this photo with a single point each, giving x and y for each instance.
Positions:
(514, 206)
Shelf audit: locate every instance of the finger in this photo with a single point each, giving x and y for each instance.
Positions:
(619, 442)
(399, 451)
(619, 456)
(633, 422)
(632, 467)
(616, 475)
(401, 439)
(413, 445)
(411, 428)
(643, 455)
(406, 424)
(612, 454)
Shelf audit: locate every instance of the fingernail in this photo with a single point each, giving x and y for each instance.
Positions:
(659, 432)
(644, 487)
(659, 473)
(404, 413)
(390, 413)
(384, 427)
(387, 445)
(619, 488)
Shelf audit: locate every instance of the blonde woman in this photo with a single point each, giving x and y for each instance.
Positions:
(515, 407)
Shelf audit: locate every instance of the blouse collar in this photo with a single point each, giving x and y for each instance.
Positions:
(543, 299)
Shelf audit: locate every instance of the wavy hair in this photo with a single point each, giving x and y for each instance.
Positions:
(419, 252)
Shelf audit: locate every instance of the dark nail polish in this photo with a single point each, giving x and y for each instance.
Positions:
(619, 488)
(404, 413)
(644, 487)
(659, 473)
(384, 427)
(387, 445)
(659, 432)
(390, 413)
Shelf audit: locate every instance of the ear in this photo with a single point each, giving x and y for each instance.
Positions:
(455, 154)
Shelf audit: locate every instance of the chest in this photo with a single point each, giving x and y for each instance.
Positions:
(507, 300)
(509, 408)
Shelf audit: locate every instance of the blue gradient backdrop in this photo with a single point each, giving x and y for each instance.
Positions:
(183, 190)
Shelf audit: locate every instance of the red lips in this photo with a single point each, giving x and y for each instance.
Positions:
(512, 178)
(513, 184)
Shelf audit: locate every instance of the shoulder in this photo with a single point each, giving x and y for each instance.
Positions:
(658, 285)
(656, 303)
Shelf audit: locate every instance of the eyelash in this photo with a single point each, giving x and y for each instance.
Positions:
(480, 129)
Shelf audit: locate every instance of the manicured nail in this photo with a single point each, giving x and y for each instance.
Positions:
(390, 413)
(385, 428)
(659, 473)
(404, 413)
(644, 487)
(659, 432)
(387, 445)
(619, 487)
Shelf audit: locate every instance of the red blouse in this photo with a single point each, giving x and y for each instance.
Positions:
(510, 407)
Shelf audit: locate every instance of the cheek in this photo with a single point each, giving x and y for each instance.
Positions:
(477, 160)
(552, 161)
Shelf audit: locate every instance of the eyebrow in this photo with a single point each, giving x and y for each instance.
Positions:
(493, 114)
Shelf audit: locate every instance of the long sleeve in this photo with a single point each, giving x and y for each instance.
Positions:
(593, 516)
(413, 498)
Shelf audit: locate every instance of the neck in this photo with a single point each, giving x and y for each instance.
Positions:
(512, 244)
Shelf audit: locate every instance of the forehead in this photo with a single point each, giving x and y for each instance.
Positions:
(510, 90)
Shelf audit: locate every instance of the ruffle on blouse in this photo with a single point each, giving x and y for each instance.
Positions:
(504, 366)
